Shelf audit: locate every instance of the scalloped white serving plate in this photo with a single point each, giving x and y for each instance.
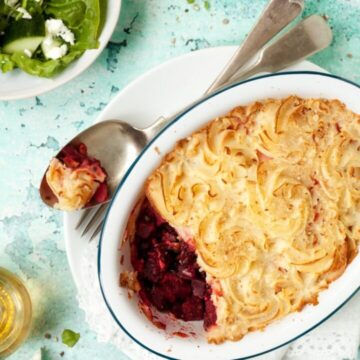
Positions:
(17, 84)
(163, 91)
(126, 312)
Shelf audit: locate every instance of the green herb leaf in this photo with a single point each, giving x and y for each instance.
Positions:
(191, 1)
(6, 63)
(207, 5)
(70, 338)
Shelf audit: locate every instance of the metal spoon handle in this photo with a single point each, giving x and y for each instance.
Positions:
(277, 15)
(308, 37)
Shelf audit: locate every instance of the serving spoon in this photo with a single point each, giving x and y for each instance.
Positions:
(308, 37)
(116, 143)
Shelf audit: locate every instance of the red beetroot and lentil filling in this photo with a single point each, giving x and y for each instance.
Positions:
(76, 157)
(167, 271)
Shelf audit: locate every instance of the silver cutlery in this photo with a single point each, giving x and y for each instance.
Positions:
(127, 141)
(309, 36)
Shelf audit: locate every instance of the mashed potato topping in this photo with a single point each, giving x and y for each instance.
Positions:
(270, 195)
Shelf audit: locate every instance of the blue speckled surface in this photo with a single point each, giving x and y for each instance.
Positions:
(31, 131)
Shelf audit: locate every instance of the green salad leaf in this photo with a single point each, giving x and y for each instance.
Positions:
(4, 9)
(82, 17)
(3, 23)
(44, 68)
(103, 11)
(33, 6)
(70, 338)
(6, 63)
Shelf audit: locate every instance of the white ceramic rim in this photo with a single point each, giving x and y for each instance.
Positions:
(104, 282)
(68, 74)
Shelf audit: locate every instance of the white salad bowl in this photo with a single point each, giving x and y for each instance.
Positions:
(17, 84)
(125, 310)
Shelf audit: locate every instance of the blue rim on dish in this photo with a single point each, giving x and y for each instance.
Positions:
(137, 160)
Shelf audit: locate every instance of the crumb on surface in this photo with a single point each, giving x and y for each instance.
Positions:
(349, 55)
(180, 334)
(47, 336)
(157, 150)
(159, 324)
(128, 279)
(325, 17)
(62, 353)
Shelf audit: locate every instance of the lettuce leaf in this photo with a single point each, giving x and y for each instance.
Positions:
(33, 6)
(82, 17)
(6, 63)
(44, 68)
(103, 11)
(3, 23)
(4, 9)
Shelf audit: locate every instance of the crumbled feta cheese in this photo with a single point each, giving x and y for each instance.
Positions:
(56, 28)
(11, 3)
(51, 46)
(56, 52)
(24, 12)
(28, 53)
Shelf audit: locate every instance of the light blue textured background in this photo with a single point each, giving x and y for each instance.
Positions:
(31, 131)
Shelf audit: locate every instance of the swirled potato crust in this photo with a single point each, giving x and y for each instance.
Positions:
(270, 197)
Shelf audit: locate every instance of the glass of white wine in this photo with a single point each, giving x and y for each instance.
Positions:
(15, 312)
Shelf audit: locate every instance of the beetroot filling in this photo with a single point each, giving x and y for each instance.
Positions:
(167, 270)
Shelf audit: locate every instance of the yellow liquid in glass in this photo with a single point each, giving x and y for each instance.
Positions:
(15, 312)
